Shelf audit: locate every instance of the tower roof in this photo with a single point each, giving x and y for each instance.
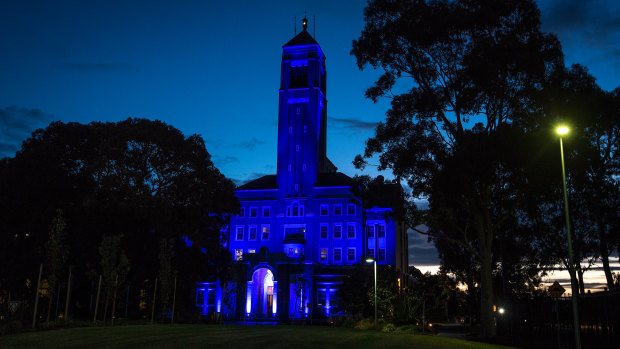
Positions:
(303, 38)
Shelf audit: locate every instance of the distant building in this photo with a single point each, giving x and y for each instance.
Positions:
(300, 231)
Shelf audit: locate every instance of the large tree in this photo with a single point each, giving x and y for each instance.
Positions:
(457, 73)
(140, 178)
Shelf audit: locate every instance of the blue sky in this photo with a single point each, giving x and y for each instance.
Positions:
(212, 68)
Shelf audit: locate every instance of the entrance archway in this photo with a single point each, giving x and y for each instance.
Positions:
(263, 293)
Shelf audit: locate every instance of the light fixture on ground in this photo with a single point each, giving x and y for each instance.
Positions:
(370, 260)
(563, 130)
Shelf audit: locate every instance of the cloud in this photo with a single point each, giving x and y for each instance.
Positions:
(222, 160)
(95, 67)
(421, 252)
(17, 124)
(594, 24)
(353, 124)
(251, 144)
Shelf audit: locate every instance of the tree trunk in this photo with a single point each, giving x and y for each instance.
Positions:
(604, 250)
(580, 278)
(487, 322)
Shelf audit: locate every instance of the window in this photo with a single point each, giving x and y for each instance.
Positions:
(338, 210)
(298, 111)
(381, 231)
(295, 209)
(351, 209)
(265, 235)
(238, 254)
(323, 231)
(371, 231)
(337, 255)
(371, 253)
(266, 211)
(200, 296)
(242, 212)
(295, 229)
(351, 230)
(239, 235)
(290, 129)
(253, 212)
(337, 231)
(297, 147)
(321, 297)
(323, 255)
(251, 250)
(252, 232)
(305, 128)
(210, 296)
(351, 254)
(324, 210)
(381, 254)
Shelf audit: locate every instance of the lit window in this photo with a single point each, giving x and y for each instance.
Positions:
(265, 211)
(351, 230)
(338, 210)
(252, 233)
(381, 231)
(242, 212)
(239, 235)
(351, 209)
(251, 250)
(238, 254)
(381, 254)
(337, 254)
(337, 231)
(265, 235)
(323, 255)
(324, 210)
(253, 212)
(351, 254)
(323, 231)
(371, 253)
(371, 231)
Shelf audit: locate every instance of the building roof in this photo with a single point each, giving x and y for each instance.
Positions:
(333, 179)
(303, 38)
(264, 182)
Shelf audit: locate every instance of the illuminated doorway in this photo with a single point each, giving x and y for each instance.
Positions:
(263, 303)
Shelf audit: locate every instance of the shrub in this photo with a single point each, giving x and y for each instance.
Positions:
(12, 326)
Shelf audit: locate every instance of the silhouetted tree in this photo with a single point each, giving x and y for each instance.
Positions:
(470, 64)
(140, 178)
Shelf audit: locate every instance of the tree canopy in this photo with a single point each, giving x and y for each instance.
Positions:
(137, 178)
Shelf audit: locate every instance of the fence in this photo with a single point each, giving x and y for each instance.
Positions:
(546, 322)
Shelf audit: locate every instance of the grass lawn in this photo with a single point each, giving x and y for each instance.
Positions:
(211, 336)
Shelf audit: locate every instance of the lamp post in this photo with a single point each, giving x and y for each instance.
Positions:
(562, 130)
(370, 260)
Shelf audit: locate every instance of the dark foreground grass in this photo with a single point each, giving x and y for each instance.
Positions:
(211, 336)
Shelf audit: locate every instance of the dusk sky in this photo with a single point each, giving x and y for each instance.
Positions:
(213, 68)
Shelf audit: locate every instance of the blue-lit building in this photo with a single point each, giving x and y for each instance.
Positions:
(300, 230)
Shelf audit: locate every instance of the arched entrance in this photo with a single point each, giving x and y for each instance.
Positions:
(263, 303)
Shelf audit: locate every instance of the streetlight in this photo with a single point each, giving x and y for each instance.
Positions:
(370, 260)
(562, 130)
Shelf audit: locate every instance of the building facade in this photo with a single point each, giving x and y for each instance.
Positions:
(300, 231)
